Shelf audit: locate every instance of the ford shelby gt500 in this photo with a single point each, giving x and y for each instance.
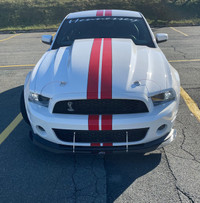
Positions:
(104, 85)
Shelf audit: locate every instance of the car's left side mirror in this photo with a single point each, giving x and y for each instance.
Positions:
(47, 39)
(161, 37)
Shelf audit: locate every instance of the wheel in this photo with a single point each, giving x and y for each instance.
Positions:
(23, 109)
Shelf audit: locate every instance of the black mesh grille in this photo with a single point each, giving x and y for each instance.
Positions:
(100, 106)
(104, 136)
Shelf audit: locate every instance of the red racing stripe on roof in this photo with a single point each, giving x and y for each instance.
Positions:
(99, 13)
(108, 12)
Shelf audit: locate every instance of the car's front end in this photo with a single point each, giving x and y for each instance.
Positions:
(102, 95)
(117, 132)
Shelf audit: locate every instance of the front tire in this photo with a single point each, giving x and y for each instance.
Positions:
(23, 109)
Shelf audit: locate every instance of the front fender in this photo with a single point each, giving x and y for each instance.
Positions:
(27, 79)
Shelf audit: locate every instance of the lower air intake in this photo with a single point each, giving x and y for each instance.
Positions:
(104, 136)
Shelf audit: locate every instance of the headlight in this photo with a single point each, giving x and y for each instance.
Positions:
(163, 97)
(38, 99)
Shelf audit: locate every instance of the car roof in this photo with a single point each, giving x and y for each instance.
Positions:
(110, 12)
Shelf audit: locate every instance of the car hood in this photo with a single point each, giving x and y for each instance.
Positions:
(134, 69)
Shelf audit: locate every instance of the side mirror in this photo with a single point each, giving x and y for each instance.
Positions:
(161, 37)
(47, 39)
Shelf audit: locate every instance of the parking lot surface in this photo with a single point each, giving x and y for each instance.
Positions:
(30, 174)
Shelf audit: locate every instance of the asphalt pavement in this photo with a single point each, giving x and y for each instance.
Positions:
(30, 174)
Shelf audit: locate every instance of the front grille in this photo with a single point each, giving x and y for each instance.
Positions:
(104, 136)
(100, 106)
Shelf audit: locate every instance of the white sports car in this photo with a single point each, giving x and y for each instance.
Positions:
(104, 85)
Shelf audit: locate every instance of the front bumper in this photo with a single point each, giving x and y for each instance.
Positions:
(140, 148)
(41, 117)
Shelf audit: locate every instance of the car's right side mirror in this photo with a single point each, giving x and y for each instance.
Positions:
(161, 37)
(47, 39)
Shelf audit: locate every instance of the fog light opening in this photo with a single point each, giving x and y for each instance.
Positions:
(41, 130)
(162, 128)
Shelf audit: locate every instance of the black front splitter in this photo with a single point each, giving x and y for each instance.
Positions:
(58, 148)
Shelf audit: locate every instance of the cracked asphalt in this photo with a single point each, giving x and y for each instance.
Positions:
(30, 174)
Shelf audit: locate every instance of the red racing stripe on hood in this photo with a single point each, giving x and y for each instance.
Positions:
(93, 78)
(106, 80)
(93, 75)
(106, 73)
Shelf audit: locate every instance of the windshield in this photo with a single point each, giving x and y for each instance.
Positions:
(104, 27)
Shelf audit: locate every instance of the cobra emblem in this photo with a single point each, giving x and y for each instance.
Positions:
(69, 104)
